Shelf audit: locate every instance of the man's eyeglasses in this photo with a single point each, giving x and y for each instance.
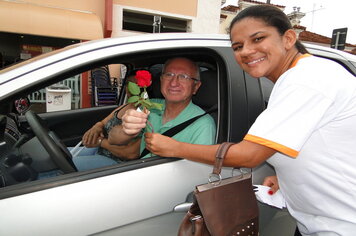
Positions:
(182, 78)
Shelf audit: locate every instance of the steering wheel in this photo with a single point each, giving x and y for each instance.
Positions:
(53, 145)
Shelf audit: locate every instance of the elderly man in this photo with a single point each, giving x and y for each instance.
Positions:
(179, 82)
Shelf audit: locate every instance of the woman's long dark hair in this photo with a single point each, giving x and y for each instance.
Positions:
(272, 16)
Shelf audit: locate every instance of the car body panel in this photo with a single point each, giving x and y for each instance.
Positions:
(104, 202)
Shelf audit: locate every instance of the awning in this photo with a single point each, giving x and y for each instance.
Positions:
(28, 18)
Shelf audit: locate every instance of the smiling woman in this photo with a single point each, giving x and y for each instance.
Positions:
(311, 97)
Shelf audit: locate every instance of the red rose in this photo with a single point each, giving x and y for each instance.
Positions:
(143, 78)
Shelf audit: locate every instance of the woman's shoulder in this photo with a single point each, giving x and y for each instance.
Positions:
(318, 65)
(316, 74)
(311, 70)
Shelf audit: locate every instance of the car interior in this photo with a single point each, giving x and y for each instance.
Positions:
(34, 143)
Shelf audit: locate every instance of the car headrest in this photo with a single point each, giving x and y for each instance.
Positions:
(207, 95)
(154, 91)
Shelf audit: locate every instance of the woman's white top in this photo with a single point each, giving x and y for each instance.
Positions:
(311, 121)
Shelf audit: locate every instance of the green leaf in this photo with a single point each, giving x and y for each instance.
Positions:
(147, 102)
(133, 99)
(157, 106)
(133, 88)
(137, 103)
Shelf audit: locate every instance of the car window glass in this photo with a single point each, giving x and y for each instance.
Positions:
(97, 87)
(64, 95)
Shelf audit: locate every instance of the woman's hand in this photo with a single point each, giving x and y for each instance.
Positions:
(161, 145)
(94, 135)
(272, 182)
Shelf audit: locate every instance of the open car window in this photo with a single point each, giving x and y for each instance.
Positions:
(71, 102)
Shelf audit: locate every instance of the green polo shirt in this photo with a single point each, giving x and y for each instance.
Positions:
(201, 131)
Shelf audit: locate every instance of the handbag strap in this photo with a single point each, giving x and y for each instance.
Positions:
(220, 155)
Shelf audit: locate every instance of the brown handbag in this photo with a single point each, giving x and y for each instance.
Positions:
(224, 207)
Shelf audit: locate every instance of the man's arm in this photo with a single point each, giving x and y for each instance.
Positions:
(92, 136)
(132, 123)
(129, 151)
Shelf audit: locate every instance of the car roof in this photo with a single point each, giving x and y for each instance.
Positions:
(345, 55)
(84, 47)
(204, 40)
(107, 42)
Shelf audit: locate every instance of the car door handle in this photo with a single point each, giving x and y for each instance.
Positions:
(183, 207)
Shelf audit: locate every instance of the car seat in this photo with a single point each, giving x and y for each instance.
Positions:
(207, 95)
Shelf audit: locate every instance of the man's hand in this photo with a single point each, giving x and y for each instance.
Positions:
(133, 121)
(161, 145)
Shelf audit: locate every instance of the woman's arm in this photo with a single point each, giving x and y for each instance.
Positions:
(243, 154)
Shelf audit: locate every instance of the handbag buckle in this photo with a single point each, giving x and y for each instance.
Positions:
(192, 221)
(241, 171)
(215, 182)
(197, 217)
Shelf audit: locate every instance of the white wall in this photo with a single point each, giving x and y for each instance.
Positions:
(207, 20)
(208, 17)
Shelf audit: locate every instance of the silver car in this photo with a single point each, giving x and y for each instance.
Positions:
(139, 197)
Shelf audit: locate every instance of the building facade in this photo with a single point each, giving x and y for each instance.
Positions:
(32, 27)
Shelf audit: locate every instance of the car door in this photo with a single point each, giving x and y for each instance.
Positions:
(100, 199)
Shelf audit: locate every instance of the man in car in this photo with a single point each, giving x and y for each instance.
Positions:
(180, 80)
